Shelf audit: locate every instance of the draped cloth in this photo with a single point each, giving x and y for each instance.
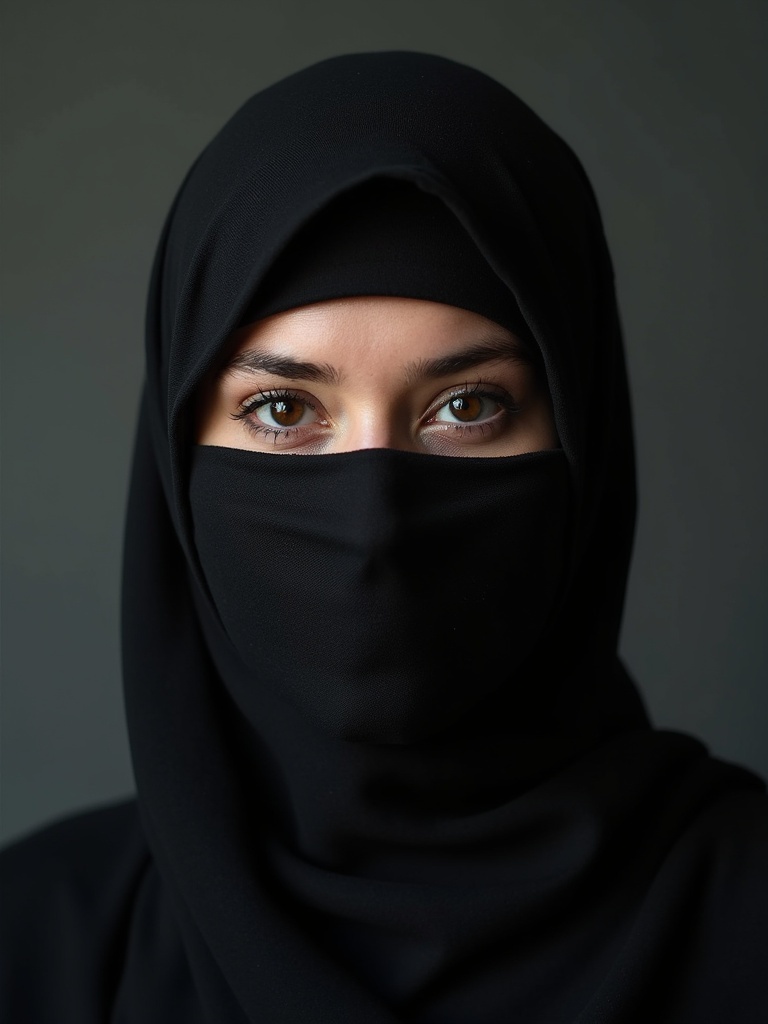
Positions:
(543, 854)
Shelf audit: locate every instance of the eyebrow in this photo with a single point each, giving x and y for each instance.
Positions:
(482, 352)
(281, 366)
(486, 351)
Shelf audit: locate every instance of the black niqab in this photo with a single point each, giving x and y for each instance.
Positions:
(538, 853)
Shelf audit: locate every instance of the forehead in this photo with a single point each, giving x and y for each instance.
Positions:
(341, 338)
(368, 326)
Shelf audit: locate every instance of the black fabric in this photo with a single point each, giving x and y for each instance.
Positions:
(386, 237)
(367, 589)
(538, 854)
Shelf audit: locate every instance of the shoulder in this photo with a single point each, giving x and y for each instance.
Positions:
(65, 835)
(67, 892)
(730, 830)
(706, 911)
(714, 815)
(73, 859)
(731, 842)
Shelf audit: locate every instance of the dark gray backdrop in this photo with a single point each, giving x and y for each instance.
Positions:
(107, 105)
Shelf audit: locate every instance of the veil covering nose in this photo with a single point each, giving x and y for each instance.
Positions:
(531, 851)
(382, 593)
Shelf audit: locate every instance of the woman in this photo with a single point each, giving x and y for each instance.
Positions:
(389, 766)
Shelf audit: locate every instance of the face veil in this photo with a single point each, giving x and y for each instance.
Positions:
(343, 858)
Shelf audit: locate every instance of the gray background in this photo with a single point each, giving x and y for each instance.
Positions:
(107, 105)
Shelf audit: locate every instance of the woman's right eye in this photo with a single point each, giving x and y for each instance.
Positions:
(277, 412)
(284, 412)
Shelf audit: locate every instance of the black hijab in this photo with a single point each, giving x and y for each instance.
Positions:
(518, 846)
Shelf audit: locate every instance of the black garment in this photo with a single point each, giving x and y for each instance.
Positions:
(386, 237)
(544, 855)
(366, 589)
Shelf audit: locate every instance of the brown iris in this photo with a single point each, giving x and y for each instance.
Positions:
(287, 412)
(466, 407)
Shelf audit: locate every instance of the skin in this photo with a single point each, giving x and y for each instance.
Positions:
(375, 382)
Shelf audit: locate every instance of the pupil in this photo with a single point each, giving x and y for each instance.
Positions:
(286, 412)
(466, 407)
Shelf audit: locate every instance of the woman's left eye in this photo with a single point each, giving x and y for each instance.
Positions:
(467, 407)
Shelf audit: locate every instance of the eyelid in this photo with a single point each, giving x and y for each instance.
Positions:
(269, 395)
(481, 388)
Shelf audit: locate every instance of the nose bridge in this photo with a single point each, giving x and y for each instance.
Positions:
(378, 423)
(371, 504)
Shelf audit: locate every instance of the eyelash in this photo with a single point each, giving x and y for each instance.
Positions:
(480, 388)
(266, 398)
